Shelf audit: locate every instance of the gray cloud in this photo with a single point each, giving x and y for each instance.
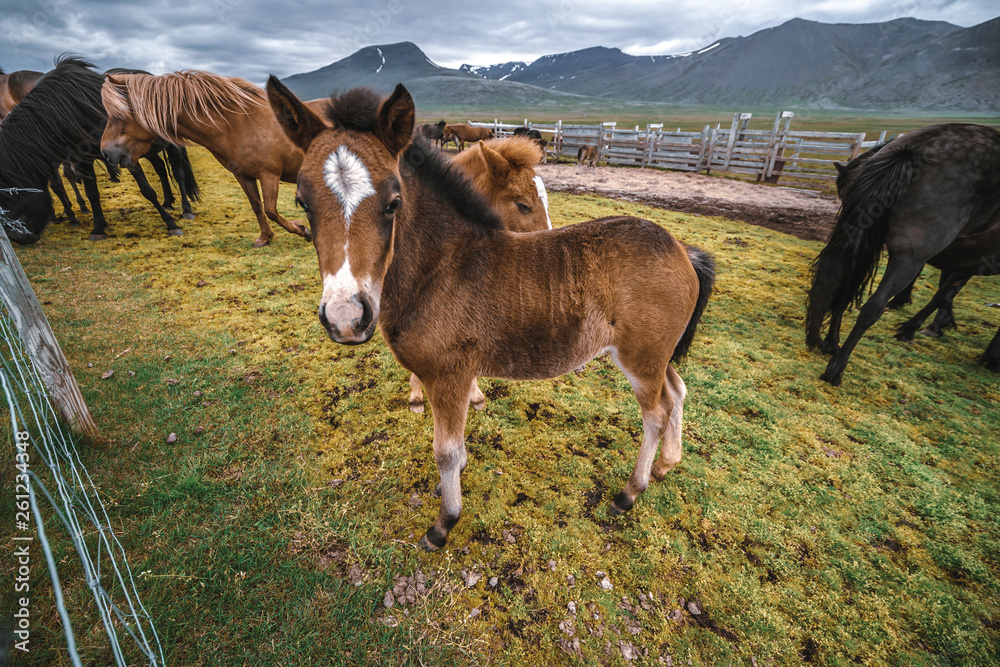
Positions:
(253, 38)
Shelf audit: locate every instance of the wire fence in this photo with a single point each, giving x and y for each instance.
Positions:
(44, 443)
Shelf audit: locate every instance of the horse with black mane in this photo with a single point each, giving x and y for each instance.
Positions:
(949, 284)
(60, 120)
(434, 132)
(534, 135)
(932, 197)
(405, 243)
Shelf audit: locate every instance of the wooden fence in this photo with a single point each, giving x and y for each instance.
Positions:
(800, 159)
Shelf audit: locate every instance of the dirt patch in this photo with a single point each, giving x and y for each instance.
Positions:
(801, 213)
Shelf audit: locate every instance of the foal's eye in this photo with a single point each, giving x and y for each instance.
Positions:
(523, 208)
(301, 204)
(393, 206)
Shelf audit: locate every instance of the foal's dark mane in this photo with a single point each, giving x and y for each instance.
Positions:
(357, 110)
(62, 119)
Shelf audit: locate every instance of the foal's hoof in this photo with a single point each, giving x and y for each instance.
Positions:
(417, 407)
(426, 545)
(619, 505)
(261, 242)
(188, 216)
(832, 378)
(74, 223)
(478, 405)
(176, 232)
(98, 237)
(929, 333)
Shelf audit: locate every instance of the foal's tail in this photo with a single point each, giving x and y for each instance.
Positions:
(844, 270)
(704, 267)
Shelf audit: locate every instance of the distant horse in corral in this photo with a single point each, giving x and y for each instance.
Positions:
(536, 136)
(465, 133)
(434, 132)
(503, 171)
(932, 197)
(586, 157)
(227, 115)
(59, 121)
(405, 242)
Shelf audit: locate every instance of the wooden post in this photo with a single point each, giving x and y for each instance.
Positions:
(740, 121)
(41, 344)
(652, 132)
(775, 148)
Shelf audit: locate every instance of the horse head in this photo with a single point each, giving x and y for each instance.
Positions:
(503, 170)
(125, 140)
(349, 187)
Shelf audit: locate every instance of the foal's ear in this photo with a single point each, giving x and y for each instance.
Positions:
(113, 80)
(841, 169)
(395, 120)
(296, 119)
(498, 165)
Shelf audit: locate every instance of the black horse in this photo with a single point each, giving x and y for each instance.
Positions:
(434, 132)
(930, 197)
(61, 120)
(949, 286)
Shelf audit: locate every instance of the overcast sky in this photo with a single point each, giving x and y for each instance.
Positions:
(252, 38)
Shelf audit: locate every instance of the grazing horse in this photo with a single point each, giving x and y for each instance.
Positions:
(13, 88)
(586, 157)
(434, 132)
(406, 243)
(503, 171)
(949, 286)
(227, 115)
(932, 197)
(59, 121)
(463, 133)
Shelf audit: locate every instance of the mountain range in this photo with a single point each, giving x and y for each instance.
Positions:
(901, 64)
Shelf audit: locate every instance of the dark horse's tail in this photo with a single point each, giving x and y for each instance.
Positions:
(180, 165)
(704, 267)
(844, 270)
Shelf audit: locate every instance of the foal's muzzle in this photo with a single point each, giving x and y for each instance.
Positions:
(350, 321)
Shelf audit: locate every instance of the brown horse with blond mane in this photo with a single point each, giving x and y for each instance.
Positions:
(465, 133)
(504, 171)
(406, 243)
(227, 115)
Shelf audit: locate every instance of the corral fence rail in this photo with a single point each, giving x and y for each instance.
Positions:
(803, 159)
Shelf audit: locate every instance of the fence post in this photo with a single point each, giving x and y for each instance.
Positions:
(776, 148)
(652, 133)
(740, 121)
(41, 344)
(856, 145)
(604, 126)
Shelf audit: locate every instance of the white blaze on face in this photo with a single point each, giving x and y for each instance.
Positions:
(348, 178)
(544, 196)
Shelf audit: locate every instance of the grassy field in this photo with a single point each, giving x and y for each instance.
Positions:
(805, 524)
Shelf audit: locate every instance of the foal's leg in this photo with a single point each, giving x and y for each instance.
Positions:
(448, 397)
(249, 186)
(476, 398)
(71, 177)
(656, 401)
(899, 272)
(670, 454)
(416, 394)
(269, 189)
